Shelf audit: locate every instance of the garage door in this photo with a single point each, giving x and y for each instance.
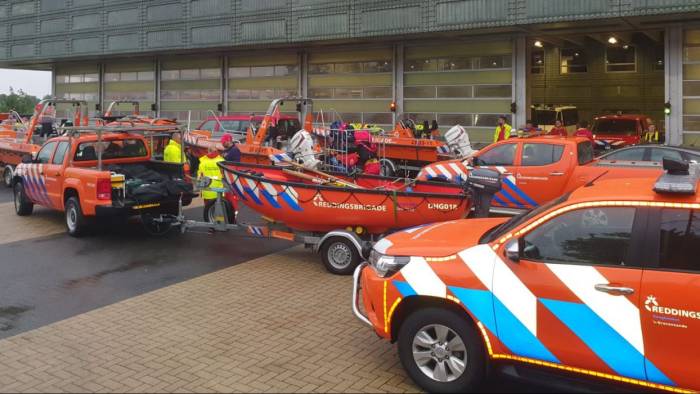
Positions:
(354, 85)
(77, 82)
(254, 81)
(466, 84)
(130, 81)
(190, 87)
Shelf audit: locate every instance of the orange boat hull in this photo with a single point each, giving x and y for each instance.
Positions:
(306, 206)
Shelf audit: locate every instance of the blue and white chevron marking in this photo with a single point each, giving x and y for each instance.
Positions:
(252, 190)
(280, 158)
(443, 149)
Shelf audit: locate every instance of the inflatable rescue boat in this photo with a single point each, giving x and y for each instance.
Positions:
(314, 201)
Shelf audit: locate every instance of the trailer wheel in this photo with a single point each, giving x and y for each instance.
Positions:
(76, 222)
(7, 176)
(210, 211)
(340, 256)
(23, 207)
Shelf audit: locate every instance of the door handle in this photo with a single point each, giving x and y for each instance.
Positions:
(556, 173)
(614, 290)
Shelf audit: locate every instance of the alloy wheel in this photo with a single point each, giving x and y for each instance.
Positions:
(439, 353)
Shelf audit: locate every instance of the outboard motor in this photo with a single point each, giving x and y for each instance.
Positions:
(457, 139)
(482, 184)
(301, 147)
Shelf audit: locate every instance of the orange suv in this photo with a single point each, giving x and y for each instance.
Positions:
(603, 283)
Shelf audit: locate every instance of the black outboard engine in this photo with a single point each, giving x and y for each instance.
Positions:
(482, 184)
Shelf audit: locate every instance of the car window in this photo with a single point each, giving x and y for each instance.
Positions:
(615, 126)
(680, 240)
(692, 157)
(231, 125)
(60, 152)
(633, 154)
(209, 125)
(595, 236)
(585, 152)
(44, 154)
(503, 155)
(118, 149)
(657, 154)
(541, 154)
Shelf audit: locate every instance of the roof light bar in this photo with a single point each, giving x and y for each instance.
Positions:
(680, 178)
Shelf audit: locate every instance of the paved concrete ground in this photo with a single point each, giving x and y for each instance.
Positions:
(123, 311)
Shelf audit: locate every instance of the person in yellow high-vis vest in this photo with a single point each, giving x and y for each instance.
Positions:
(503, 129)
(208, 167)
(651, 136)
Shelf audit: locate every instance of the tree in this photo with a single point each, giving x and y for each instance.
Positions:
(19, 101)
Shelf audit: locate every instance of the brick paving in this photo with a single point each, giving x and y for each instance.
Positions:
(279, 323)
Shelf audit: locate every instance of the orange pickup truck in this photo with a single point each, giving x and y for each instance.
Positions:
(90, 176)
(537, 169)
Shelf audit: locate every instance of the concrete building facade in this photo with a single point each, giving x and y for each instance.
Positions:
(455, 61)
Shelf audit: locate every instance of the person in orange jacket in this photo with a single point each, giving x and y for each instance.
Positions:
(583, 131)
(558, 129)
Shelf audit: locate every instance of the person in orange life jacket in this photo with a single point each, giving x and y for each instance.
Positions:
(558, 129)
(583, 131)
(231, 151)
(503, 129)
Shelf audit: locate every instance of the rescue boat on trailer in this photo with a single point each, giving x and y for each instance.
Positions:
(253, 149)
(321, 202)
(16, 144)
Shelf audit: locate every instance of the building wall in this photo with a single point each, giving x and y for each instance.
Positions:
(32, 30)
(598, 91)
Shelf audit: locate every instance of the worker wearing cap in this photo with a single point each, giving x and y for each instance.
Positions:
(502, 130)
(651, 136)
(173, 152)
(231, 151)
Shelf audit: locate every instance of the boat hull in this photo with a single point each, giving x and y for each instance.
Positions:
(306, 206)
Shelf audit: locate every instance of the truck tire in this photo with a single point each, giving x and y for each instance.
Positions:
(7, 175)
(23, 206)
(76, 223)
(340, 256)
(441, 351)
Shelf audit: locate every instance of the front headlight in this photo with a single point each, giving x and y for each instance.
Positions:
(387, 265)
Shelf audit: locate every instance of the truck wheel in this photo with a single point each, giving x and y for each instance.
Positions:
(23, 206)
(76, 222)
(7, 176)
(340, 256)
(441, 351)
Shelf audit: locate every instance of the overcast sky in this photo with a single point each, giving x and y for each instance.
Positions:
(37, 83)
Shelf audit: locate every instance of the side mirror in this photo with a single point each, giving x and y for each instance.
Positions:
(27, 159)
(513, 250)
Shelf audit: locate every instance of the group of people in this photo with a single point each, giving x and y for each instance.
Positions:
(504, 130)
(207, 164)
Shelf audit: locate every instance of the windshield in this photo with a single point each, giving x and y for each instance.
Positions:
(545, 117)
(615, 126)
(519, 219)
(118, 149)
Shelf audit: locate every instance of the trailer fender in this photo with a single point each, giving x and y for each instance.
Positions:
(352, 237)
